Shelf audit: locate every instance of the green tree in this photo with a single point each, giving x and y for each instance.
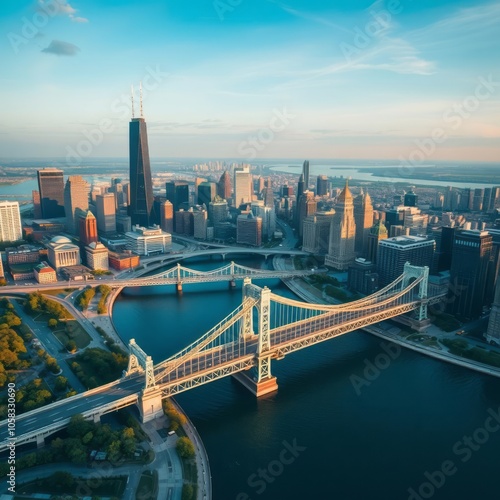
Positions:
(185, 447)
(52, 323)
(71, 346)
(187, 492)
(61, 383)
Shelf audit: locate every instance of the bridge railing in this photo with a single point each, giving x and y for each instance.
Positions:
(205, 340)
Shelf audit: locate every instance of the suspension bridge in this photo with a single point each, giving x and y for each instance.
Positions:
(264, 327)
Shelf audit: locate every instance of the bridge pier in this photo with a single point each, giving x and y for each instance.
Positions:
(179, 287)
(149, 403)
(40, 441)
(258, 389)
(232, 284)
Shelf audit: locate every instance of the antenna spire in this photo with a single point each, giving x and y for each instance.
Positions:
(132, 99)
(140, 88)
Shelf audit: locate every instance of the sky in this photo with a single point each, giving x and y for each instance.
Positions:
(407, 80)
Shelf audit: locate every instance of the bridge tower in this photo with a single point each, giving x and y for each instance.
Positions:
(150, 400)
(413, 272)
(262, 382)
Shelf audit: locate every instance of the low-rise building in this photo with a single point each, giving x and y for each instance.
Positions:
(97, 256)
(123, 260)
(148, 241)
(62, 252)
(44, 273)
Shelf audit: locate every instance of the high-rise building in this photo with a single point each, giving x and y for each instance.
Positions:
(87, 227)
(322, 185)
(305, 172)
(316, 229)
(469, 273)
(493, 333)
(37, 208)
(411, 199)
(249, 230)
(51, 189)
(200, 217)
(217, 211)
(342, 233)
(206, 193)
(268, 216)
(393, 253)
(242, 185)
(141, 187)
(300, 186)
(167, 217)
(224, 186)
(106, 213)
(76, 196)
(477, 204)
(10, 221)
(177, 193)
(363, 217)
(377, 233)
(307, 206)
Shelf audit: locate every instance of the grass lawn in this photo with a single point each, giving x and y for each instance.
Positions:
(76, 332)
(148, 486)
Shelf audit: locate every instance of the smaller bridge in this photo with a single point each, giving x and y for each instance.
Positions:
(179, 275)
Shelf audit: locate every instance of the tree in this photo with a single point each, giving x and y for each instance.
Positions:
(61, 383)
(71, 346)
(61, 480)
(185, 447)
(52, 323)
(187, 492)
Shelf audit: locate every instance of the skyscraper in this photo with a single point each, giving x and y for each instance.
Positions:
(242, 185)
(411, 199)
(167, 217)
(141, 188)
(305, 173)
(76, 195)
(51, 189)
(322, 185)
(469, 273)
(206, 193)
(377, 232)
(307, 206)
(224, 186)
(363, 216)
(10, 221)
(106, 213)
(342, 233)
(87, 227)
(493, 333)
(177, 193)
(393, 253)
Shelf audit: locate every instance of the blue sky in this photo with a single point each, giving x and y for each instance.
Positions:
(395, 79)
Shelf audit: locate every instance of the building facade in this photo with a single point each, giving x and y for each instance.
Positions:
(76, 197)
(393, 253)
(10, 221)
(97, 256)
(62, 252)
(51, 189)
(141, 187)
(148, 241)
(341, 249)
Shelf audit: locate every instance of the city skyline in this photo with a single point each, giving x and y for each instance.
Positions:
(357, 80)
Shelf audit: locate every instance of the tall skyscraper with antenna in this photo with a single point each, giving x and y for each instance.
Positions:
(141, 186)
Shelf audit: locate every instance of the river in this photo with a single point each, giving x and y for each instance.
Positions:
(376, 442)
